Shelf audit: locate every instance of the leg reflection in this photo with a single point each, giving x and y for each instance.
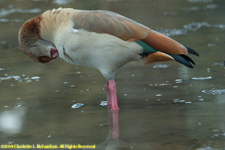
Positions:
(111, 142)
(113, 122)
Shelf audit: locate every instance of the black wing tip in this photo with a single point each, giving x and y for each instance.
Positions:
(184, 59)
(188, 59)
(187, 64)
(191, 51)
(190, 66)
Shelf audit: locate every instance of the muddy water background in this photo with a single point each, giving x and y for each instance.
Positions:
(162, 106)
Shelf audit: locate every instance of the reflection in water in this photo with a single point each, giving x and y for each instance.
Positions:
(111, 142)
(221, 104)
(11, 121)
(113, 122)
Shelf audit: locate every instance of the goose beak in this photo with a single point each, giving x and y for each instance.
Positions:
(54, 53)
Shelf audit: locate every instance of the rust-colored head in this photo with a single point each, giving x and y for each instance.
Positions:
(33, 45)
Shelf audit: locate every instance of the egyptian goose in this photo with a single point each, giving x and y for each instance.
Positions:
(99, 39)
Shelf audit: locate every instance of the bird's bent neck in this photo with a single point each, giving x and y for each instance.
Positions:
(54, 21)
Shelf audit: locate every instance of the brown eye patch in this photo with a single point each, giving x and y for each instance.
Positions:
(44, 59)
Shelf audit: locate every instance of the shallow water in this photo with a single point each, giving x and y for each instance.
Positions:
(163, 106)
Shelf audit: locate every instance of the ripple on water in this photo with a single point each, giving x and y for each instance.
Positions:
(193, 8)
(10, 20)
(103, 103)
(161, 66)
(211, 6)
(172, 32)
(179, 80)
(202, 78)
(220, 64)
(20, 78)
(207, 148)
(62, 2)
(200, 1)
(194, 26)
(206, 7)
(214, 91)
(77, 105)
(198, 25)
(6, 12)
(176, 100)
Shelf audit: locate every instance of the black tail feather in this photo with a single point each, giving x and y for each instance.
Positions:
(183, 59)
(188, 59)
(191, 51)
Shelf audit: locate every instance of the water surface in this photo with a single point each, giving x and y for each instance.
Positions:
(163, 106)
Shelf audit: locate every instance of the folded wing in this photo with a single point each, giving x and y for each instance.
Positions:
(101, 21)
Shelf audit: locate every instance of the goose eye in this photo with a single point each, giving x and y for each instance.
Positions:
(44, 59)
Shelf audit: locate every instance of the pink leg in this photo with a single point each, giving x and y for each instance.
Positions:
(109, 102)
(110, 87)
